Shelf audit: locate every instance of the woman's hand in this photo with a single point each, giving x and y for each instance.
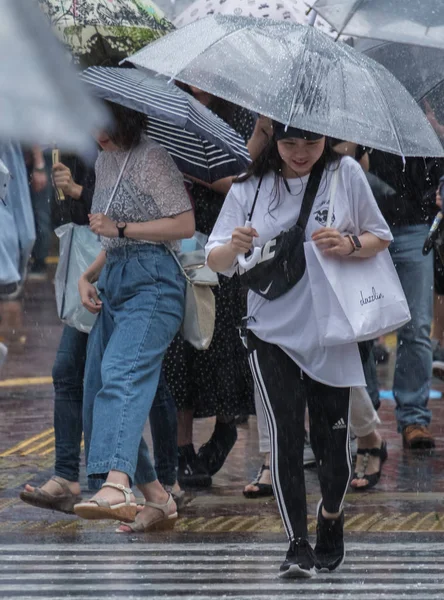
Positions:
(62, 179)
(88, 295)
(102, 225)
(438, 199)
(242, 239)
(331, 242)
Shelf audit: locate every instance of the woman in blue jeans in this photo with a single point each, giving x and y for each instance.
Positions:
(62, 491)
(140, 303)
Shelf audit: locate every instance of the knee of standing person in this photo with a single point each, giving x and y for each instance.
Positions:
(68, 369)
(416, 331)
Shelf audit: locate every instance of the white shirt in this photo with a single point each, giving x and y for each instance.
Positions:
(289, 321)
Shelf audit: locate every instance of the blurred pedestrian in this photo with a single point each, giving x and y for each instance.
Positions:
(408, 212)
(216, 382)
(140, 208)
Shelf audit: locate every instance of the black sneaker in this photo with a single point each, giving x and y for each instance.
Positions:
(300, 560)
(191, 472)
(329, 549)
(213, 453)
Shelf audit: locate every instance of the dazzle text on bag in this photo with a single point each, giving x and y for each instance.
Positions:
(368, 299)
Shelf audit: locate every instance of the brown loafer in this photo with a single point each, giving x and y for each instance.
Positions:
(63, 502)
(417, 437)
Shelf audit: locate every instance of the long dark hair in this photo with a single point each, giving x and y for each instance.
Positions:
(128, 127)
(269, 160)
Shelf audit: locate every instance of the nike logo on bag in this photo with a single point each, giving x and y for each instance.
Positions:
(340, 424)
(267, 289)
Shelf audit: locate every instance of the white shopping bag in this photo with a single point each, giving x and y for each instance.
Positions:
(355, 299)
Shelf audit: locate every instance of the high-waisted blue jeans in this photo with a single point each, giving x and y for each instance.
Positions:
(143, 293)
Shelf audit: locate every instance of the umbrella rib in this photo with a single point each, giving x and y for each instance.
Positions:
(352, 13)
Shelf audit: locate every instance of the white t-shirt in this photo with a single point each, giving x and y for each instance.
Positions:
(289, 321)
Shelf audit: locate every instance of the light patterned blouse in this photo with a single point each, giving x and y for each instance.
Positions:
(151, 188)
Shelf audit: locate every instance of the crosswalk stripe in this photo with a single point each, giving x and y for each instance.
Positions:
(212, 571)
(225, 548)
(186, 567)
(218, 576)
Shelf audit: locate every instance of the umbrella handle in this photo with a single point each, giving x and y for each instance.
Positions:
(253, 259)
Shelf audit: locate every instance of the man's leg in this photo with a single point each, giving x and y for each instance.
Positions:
(413, 370)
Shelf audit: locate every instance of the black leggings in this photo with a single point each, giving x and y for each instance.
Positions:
(285, 389)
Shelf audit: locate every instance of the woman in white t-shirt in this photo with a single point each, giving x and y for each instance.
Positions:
(289, 366)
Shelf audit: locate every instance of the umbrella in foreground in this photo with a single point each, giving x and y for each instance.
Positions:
(296, 75)
(279, 10)
(41, 99)
(101, 31)
(202, 145)
(418, 22)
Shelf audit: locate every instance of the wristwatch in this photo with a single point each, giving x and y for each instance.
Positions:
(356, 244)
(121, 229)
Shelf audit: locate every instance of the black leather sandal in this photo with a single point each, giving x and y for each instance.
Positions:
(264, 489)
(372, 479)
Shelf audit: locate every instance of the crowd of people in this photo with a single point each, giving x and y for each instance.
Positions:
(135, 365)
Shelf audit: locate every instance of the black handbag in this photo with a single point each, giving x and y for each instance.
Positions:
(282, 263)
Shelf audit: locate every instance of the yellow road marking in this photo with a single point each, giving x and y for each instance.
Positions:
(27, 442)
(52, 260)
(21, 381)
(33, 449)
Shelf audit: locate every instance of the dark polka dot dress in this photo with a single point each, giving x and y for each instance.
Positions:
(216, 381)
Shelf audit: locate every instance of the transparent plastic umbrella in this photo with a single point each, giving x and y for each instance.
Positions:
(296, 75)
(418, 22)
(41, 99)
(419, 69)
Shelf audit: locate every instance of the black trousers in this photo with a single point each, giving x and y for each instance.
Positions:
(285, 390)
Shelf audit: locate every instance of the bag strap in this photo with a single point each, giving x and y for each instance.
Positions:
(333, 188)
(119, 179)
(309, 195)
(311, 192)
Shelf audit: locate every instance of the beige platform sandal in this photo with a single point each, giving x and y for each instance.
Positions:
(102, 509)
(164, 522)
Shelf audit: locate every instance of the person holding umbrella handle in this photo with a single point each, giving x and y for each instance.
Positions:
(285, 195)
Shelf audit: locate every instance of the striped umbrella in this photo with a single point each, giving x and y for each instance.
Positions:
(201, 143)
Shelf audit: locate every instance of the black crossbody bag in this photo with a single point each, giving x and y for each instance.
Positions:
(282, 263)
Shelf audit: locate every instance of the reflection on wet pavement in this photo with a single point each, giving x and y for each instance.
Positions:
(224, 545)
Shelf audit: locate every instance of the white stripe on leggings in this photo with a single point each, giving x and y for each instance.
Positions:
(254, 365)
(348, 450)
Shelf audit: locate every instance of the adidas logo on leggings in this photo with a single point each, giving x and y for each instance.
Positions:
(340, 424)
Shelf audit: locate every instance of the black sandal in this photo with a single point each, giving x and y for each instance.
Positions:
(372, 479)
(264, 489)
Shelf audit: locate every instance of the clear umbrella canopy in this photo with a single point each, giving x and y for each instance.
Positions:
(298, 76)
(405, 21)
(419, 69)
(41, 99)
